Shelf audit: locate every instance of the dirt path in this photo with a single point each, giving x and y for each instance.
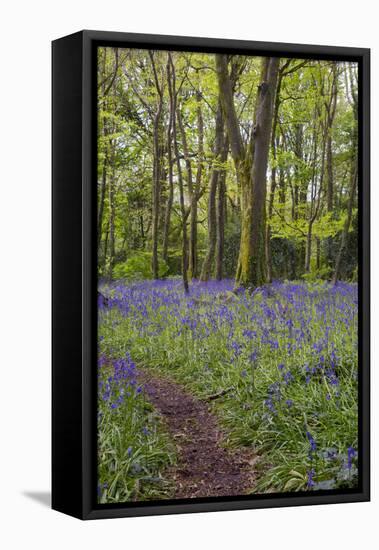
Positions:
(204, 467)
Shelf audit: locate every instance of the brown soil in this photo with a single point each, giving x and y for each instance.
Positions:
(204, 467)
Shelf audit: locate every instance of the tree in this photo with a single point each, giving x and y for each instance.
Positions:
(353, 174)
(251, 166)
(157, 169)
(174, 110)
(220, 153)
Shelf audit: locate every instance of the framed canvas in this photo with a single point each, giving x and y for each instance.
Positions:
(210, 275)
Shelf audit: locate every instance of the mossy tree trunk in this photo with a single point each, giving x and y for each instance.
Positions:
(251, 166)
(254, 274)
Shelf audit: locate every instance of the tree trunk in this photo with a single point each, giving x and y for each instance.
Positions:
(193, 259)
(105, 252)
(354, 176)
(318, 253)
(170, 198)
(157, 166)
(103, 189)
(173, 107)
(112, 214)
(221, 215)
(251, 167)
(155, 199)
(212, 232)
(346, 228)
(192, 244)
(308, 248)
(142, 231)
(273, 179)
(315, 194)
(237, 148)
(252, 271)
(331, 111)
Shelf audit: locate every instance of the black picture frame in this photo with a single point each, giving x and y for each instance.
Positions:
(74, 274)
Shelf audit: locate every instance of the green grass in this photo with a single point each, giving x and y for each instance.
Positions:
(134, 450)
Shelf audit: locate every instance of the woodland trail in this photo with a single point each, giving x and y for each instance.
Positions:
(204, 468)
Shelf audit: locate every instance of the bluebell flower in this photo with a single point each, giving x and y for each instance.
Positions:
(312, 442)
(351, 453)
(253, 356)
(310, 482)
(287, 377)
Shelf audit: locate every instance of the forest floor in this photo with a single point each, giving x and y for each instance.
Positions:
(258, 394)
(204, 466)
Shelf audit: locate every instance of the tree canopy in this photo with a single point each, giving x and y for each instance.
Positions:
(213, 166)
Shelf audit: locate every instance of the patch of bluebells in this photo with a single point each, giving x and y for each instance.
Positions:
(295, 336)
(128, 437)
(117, 380)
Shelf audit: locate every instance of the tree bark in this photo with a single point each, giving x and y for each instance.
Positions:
(251, 167)
(170, 198)
(354, 179)
(192, 242)
(354, 183)
(112, 213)
(103, 192)
(103, 188)
(221, 215)
(215, 175)
(273, 178)
(193, 259)
(315, 193)
(105, 252)
(173, 102)
(157, 166)
(237, 149)
(253, 271)
(331, 111)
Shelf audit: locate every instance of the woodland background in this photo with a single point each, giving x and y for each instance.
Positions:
(219, 166)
